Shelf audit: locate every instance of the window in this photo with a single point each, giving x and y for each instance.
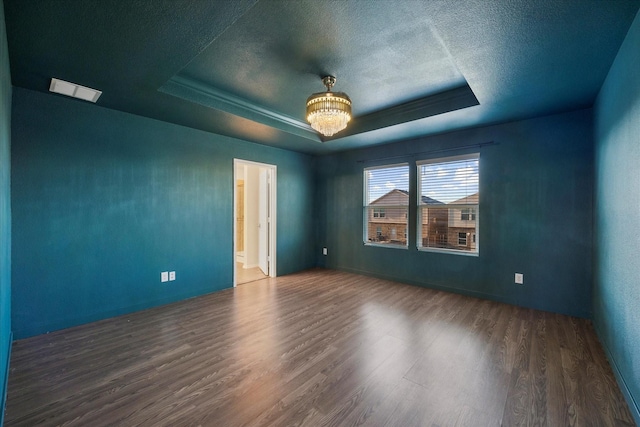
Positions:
(462, 239)
(468, 214)
(448, 204)
(378, 213)
(386, 205)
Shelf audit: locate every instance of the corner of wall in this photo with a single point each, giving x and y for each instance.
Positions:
(6, 381)
(6, 336)
(616, 312)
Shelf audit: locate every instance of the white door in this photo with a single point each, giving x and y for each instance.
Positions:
(263, 222)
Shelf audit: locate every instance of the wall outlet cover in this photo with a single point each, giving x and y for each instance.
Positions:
(172, 275)
(164, 276)
(519, 278)
(324, 251)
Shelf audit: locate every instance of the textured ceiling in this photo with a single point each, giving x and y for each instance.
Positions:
(245, 68)
(250, 58)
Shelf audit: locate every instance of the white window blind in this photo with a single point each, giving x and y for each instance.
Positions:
(386, 205)
(449, 203)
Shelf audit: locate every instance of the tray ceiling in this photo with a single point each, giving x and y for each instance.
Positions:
(245, 68)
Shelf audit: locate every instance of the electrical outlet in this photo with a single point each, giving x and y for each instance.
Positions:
(519, 278)
(324, 251)
(164, 276)
(172, 276)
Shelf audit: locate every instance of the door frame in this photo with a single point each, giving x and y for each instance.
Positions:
(264, 234)
(272, 211)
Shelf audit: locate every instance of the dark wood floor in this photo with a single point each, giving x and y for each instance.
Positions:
(319, 348)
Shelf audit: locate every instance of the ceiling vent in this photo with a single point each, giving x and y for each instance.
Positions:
(74, 90)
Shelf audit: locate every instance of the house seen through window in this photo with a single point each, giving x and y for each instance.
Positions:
(386, 205)
(448, 204)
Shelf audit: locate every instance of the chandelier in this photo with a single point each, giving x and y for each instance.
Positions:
(328, 112)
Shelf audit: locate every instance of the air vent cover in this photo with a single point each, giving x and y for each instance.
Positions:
(74, 90)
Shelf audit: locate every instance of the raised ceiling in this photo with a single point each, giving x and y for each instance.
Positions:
(244, 68)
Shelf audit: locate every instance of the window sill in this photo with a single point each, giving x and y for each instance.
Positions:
(386, 245)
(450, 251)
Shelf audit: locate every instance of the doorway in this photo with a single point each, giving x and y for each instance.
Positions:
(254, 221)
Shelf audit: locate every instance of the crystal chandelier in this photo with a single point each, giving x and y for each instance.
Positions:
(328, 112)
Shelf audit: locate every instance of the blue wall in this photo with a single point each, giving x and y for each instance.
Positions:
(535, 215)
(617, 212)
(103, 201)
(5, 212)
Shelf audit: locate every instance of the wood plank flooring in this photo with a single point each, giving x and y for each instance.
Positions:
(319, 348)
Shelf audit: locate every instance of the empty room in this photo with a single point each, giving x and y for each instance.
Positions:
(319, 213)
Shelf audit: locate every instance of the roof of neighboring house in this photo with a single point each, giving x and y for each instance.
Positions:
(469, 200)
(429, 201)
(426, 200)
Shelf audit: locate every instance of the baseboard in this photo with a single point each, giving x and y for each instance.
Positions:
(46, 327)
(633, 405)
(6, 381)
(248, 266)
(462, 291)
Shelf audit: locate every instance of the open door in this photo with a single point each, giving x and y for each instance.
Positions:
(254, 221)
(263, 222)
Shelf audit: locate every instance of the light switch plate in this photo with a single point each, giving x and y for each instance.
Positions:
(164, 276)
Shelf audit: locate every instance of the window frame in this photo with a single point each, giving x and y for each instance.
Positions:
(473, 211)
(384, 209)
